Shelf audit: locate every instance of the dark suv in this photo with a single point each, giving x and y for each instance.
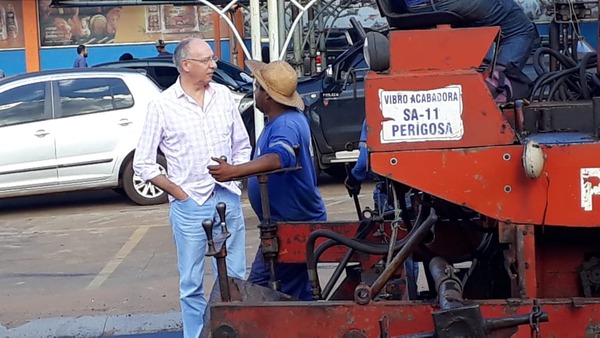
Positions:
(335, 107)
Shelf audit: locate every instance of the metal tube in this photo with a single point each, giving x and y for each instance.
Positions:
(312, 43)
(281, 23)
(273, 29)
(447, 284)
(264, 198)
(336, 274)
(297, 38)
(259, 122)
(223, 279)
(411, 242)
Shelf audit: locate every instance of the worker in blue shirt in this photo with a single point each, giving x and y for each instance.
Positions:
(382, 205)
(360, 172)
(293, 195)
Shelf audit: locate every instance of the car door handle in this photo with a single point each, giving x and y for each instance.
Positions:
(124, 122)
(41, 133)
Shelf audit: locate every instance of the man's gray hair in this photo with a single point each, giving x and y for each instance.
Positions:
(181, 53)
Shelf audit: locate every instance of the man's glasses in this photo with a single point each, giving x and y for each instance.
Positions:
(205, 60)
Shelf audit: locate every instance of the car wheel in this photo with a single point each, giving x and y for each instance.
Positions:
(140, 192)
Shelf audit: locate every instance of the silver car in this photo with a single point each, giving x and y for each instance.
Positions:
(74, 129)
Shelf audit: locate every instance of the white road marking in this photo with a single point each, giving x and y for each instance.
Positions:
(112, 265)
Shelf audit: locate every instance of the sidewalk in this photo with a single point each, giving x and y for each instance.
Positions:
(144, 325)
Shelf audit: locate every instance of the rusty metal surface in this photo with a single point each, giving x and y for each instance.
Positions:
(470, 176)
(334, 319)
(452, 59)
(293, 238)
(447, 49)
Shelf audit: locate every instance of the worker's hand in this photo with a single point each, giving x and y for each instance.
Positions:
(352, 185)
(222, 171)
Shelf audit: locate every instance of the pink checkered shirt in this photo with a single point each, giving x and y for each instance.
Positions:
(189, 135)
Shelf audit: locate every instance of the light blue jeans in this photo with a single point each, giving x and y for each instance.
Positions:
(190, 240)
(518, 37)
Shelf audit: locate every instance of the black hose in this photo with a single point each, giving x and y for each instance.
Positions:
(361, 233)
(585, 89)
(357, 245)
(366, 226)
(569, 83)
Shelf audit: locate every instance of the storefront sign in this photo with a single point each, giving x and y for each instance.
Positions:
(123, 24)
(11, 24)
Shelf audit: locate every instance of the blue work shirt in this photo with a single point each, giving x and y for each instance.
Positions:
(80, 62)
(293, 196)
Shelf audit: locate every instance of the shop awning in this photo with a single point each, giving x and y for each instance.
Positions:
(96, 3)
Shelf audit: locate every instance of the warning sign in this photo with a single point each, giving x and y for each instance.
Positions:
(417, 116)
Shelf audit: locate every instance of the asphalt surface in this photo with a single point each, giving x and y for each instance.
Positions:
(92, 264)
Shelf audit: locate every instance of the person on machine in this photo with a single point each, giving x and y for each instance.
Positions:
(518, 36)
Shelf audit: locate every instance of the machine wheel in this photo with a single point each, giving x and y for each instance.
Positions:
(140, 192)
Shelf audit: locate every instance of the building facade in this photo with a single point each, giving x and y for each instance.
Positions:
(35, 36)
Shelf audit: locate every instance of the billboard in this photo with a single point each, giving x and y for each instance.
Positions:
(124, 24)
(11, 24)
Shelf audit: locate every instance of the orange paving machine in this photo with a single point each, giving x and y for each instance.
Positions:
(496, 204)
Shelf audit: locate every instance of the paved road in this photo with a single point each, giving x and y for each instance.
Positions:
(89, 264)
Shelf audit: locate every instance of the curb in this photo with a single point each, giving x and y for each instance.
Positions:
(95, 326)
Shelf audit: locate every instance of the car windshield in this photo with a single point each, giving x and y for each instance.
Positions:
(233, 74)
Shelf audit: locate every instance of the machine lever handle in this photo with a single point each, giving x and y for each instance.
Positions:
(221, 210)
(207, 224)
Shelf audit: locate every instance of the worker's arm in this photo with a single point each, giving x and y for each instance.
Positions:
(361, 167)
(359, 172)
(278, 154)
(226, 172)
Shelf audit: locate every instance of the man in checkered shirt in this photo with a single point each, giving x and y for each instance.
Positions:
(190, 122)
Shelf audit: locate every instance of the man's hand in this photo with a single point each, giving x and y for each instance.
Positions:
(222, 171)
(352, 185)
(181, 195)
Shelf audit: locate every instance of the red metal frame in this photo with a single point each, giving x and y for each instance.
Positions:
(482, 170)
(335, 319)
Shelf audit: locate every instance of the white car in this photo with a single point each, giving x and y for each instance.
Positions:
(74, 129)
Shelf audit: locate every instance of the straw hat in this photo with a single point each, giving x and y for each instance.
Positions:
(279, 80)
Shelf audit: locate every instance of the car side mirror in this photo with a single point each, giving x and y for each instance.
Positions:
(329, 74)
(348, 76)
(329, 71)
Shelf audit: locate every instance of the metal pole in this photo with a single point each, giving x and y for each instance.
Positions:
(281, 22)
(297, 38)
(273, 30)
(259, 123)
(312, 43)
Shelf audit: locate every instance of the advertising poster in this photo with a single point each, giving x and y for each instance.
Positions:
(124, 24)
(11, 24)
